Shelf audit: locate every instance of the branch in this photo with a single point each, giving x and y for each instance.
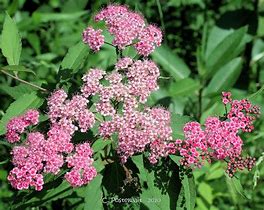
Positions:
(23, 81)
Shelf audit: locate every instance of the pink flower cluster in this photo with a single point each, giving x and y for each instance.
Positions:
(66, 113)
(130, 80)
(17, 125)
(220, 138)
(93, 38)
(39, 154)
(127, 87)
(81, 163)
(139, 130)
(127, 27)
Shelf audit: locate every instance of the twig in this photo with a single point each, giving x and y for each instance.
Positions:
(23, 81)
(110, 44)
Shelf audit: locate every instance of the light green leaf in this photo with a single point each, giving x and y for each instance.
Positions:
(93, 194)
(100, 144)
(235, 188)
(206, 192)
(183, 87)
(225, 78)
(17, 68)
(75, 56)
(46, 17)
(11, 41)
(171, 63)
(18, 107)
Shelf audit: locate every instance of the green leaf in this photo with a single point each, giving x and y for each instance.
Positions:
(183, 87)
(189, 191)
(206, 192)
(93, 194)
(34, 41)
(225, 78)
(16, 91)
(18, 107)
(75, 57)
(100, 144)
(224, 51)
(171, 63)
(17, 68)
(46, 17)
(177, 124)
(152, 197)
(176, 159)
(11, 41)
(235, 188)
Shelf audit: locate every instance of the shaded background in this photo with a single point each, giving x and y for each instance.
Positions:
(193, 29)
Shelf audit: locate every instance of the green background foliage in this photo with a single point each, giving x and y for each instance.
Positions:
(209, 47)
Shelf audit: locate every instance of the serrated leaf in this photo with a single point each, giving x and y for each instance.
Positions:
(17, 68)
(16, 91)
(75, 56)
(171, 63)
(18, 107)
(11, 41)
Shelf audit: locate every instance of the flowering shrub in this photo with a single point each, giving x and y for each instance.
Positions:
(109, 120)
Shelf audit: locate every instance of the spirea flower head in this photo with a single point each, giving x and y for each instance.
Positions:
(93, 38)
(16, 126)
(127, 27)
(68, 112)
(220, 138)
(82, 171)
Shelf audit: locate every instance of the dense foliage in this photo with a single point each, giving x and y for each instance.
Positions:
(131, 117)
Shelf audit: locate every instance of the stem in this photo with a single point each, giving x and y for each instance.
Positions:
(23, 81)
(200, 103)
(110, 44)
(161, 15)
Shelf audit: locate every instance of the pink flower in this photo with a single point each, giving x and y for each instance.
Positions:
(93, 38)
(81, 163)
